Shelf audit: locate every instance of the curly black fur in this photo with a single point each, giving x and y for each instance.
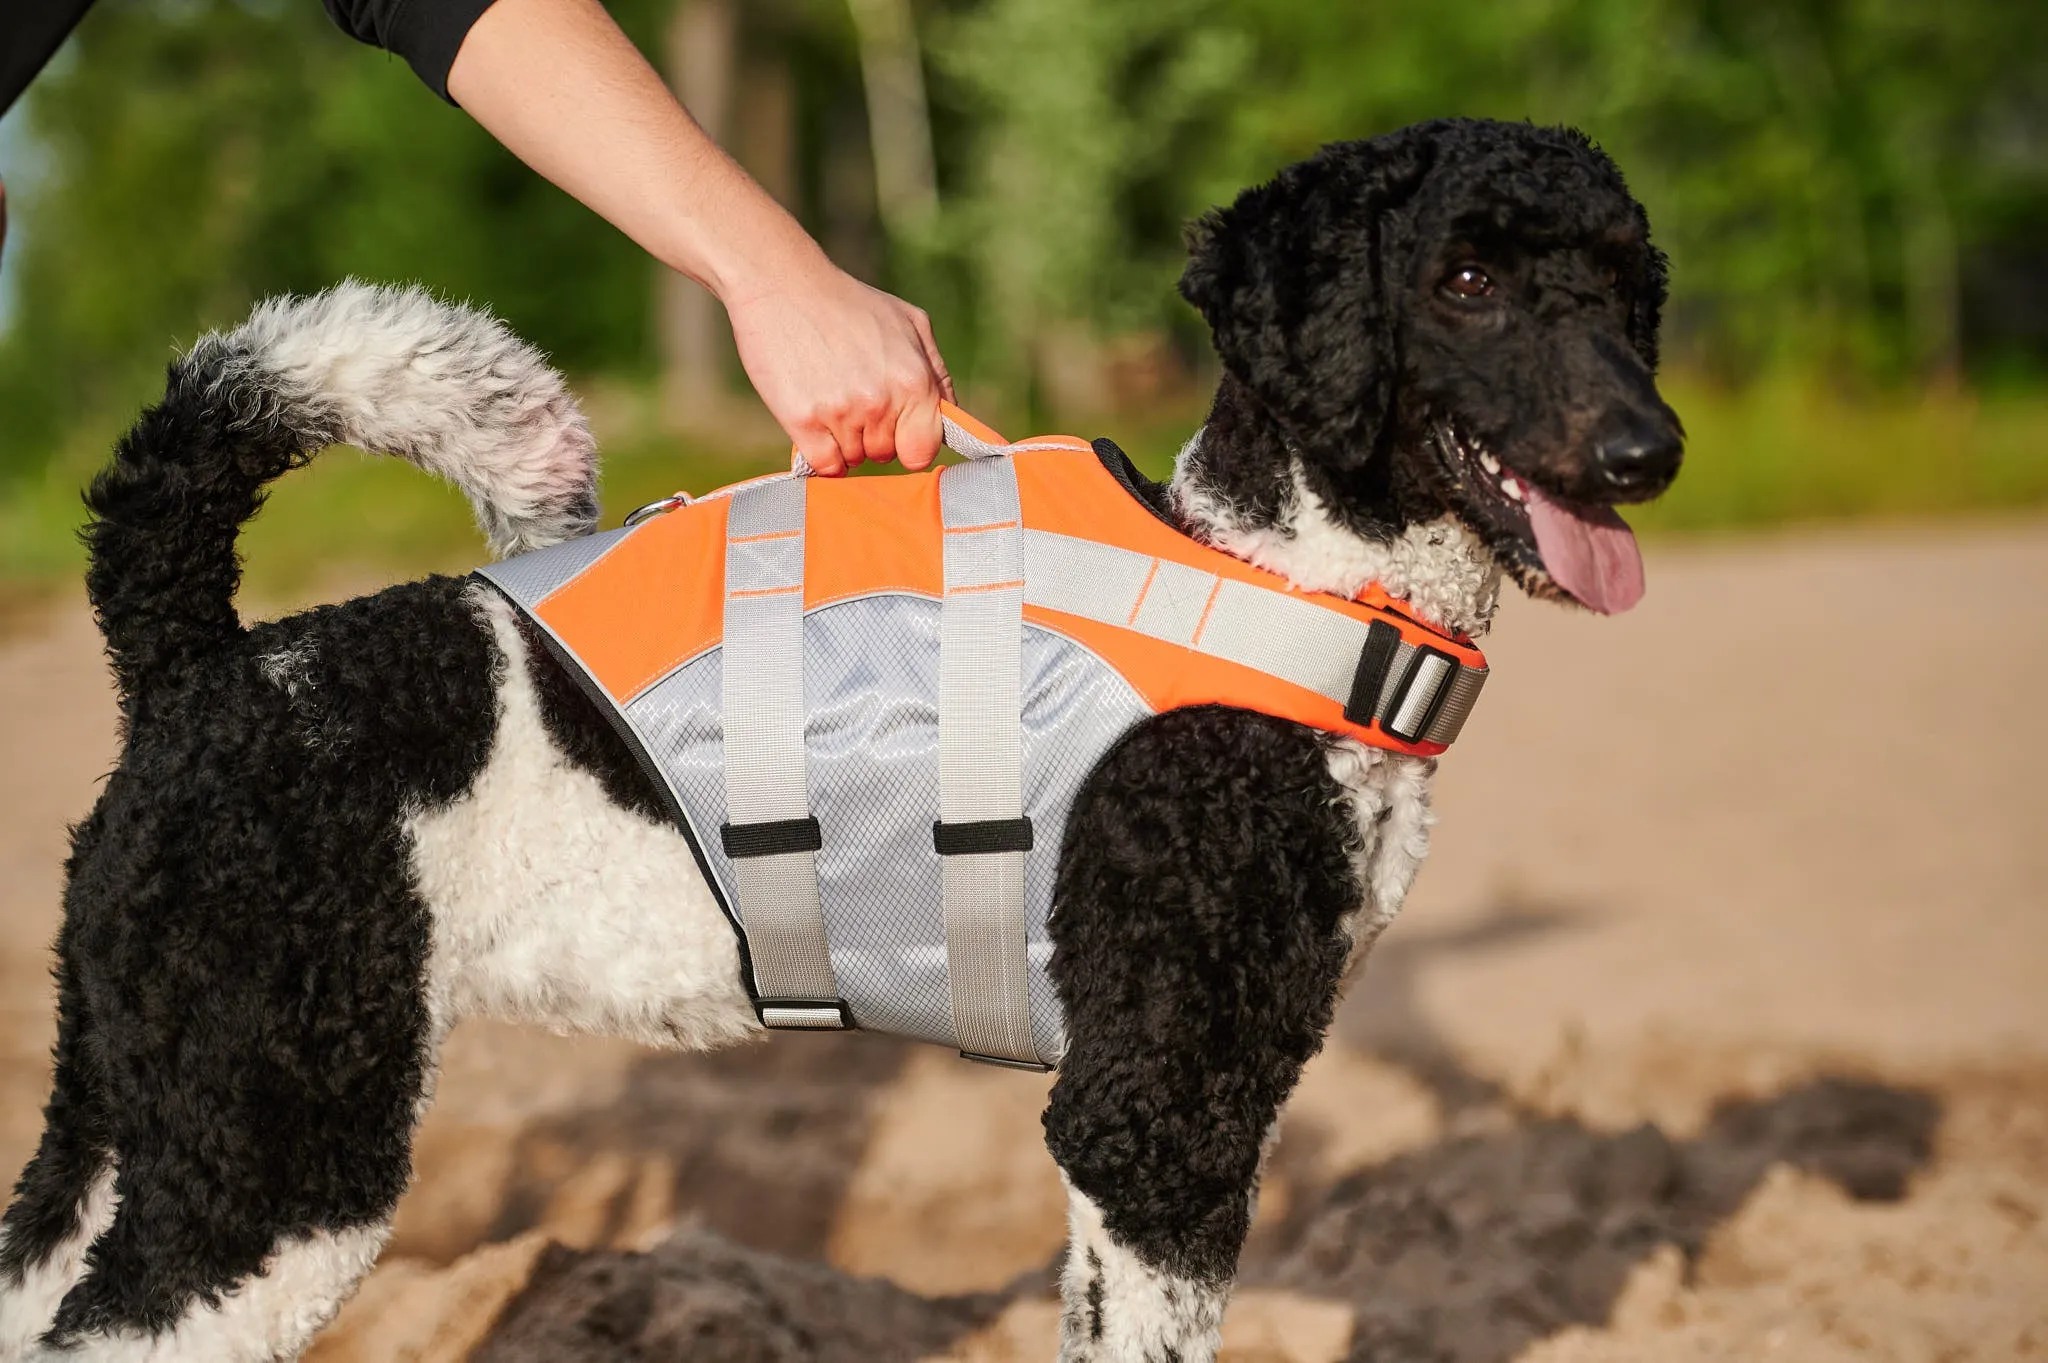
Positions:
(1198, 947)
(248, 949)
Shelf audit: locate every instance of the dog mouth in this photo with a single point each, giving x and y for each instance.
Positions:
(1554, 547)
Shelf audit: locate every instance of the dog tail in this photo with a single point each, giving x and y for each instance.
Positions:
(394, 371)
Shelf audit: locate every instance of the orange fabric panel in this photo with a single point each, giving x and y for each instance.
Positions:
(655, 600)
(865, 535)
(1168, 676)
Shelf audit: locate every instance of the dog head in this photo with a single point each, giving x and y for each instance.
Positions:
(1457, 317)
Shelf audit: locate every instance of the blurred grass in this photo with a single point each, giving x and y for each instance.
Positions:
(1781, 452)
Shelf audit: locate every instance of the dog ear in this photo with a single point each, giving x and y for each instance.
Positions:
(1646, 310)
(1297, 280)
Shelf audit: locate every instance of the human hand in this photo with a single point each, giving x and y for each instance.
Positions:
(850, 372)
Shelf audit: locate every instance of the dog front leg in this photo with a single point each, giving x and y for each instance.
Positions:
(1160, 1195)
(1199, 938)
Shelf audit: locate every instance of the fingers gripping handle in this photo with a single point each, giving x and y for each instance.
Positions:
(964, 435)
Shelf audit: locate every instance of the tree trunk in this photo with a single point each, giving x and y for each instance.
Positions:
(700, 51)
(899, 120)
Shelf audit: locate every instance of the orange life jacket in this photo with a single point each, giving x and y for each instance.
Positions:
(822, 669)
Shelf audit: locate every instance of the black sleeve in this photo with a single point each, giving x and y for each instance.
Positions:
(30, 31)
(427, 33)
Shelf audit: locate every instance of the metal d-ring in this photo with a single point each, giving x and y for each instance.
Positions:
(668, 503)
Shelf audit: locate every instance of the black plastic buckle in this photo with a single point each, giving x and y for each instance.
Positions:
(1427, 715)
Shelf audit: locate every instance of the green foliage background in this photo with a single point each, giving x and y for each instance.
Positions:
(1854, 194)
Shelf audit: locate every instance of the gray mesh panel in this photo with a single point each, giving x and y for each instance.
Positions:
(872, 740)
(679, 723)
(530, 578)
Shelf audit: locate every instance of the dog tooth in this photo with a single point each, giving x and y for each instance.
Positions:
(1512, 488)
(1488, 462)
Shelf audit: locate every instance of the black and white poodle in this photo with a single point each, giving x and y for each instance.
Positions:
(332, 836)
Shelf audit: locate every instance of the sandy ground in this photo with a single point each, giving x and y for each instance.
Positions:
(1717, 1029)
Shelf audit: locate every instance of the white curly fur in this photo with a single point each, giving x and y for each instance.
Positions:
(27, 1309)
(441, 385)
(1440, 568)
(272, 1315)
(1119, 1309)
(553, 904)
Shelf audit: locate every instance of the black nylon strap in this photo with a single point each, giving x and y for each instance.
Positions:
(1382, 641)
(986, 835)
(771, 839)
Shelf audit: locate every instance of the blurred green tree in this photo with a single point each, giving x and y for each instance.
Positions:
(205, 154)
(1822, 171)
(1837, 180)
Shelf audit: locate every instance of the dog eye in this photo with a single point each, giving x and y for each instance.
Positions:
(1470, 282)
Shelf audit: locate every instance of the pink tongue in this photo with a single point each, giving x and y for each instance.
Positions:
(1589, 552)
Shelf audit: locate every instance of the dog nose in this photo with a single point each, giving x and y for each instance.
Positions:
(1636, 451)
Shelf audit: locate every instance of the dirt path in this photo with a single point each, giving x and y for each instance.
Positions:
(1759, 866)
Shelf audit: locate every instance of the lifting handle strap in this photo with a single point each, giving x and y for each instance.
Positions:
(966, 436)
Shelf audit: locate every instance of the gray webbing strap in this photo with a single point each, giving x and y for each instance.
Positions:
(1272, 632)
(769, 832)
(982, 833)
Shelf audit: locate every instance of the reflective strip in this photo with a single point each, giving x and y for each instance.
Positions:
(1284, 636)
(763, 713)
(981, 630)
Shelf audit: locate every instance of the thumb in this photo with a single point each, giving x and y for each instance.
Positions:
(920, 435)
(821, 452)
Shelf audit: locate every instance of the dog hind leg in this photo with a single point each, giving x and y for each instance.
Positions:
(246, 1212)
(37, 1270)
(270, 1315)
(65, 1196)
(225, 1264)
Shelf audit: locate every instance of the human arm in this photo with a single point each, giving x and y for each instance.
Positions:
(849, 371)
(31, 31)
